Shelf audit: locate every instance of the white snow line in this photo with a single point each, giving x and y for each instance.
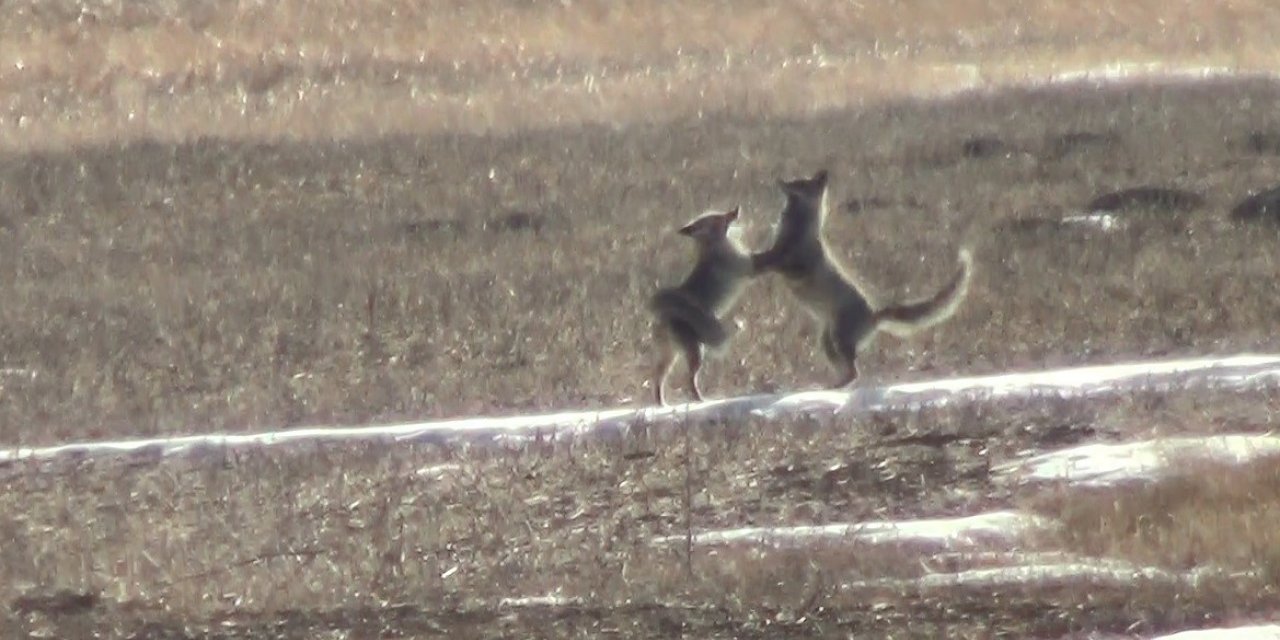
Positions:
(972, 78)
(998, 528)
(539, 601)
(1108, 572)
(1148, 70)
(1254, 632)
(1236, 371)
(982, 559)
(1103, 221)
(1105, 465)
(438, 470)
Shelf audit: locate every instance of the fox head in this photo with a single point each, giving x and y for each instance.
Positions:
(811, 192)
(710, 227)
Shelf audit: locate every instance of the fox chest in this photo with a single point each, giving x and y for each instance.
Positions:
(718, 285)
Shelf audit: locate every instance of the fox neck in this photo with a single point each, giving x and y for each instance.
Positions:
(804, 213)
(718, 245)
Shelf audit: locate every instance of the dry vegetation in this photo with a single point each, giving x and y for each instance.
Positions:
(85, 71)
(217, 285)
(236, 215)
(429, 540)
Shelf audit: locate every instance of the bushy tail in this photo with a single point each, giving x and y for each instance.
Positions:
(905, 319)
(683, 314)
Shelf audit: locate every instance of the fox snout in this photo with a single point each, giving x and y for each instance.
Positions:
(710, 225)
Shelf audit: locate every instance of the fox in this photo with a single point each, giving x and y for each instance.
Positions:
(848, 320)
(689, 316)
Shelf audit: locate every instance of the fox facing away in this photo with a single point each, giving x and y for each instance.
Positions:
(848, 319)
(689, 316)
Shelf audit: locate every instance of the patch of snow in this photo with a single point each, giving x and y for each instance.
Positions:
(980, 559)
(1131, 70)
(1241, 370)
(1237, 371)
(539, 601)
(1103, 221)
(1109, 572)
(997, 528)
(1255, 632)
(1104, 465)
(438, 470)
(969, 77)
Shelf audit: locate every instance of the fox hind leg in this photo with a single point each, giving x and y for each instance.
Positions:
(829, 348)
(666, 358)
(850, 376)
(693, 357)
(842, 349)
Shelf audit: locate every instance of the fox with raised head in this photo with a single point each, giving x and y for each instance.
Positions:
(689, 316)
(849, 321)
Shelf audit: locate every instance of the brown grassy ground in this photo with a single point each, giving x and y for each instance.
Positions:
(75, 72)
(428, 540)
(163, 288)
(299, 266)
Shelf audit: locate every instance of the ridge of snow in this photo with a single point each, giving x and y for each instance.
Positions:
(1110, 572)
(1239, 370)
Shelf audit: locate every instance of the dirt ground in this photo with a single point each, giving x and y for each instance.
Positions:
(194, 238)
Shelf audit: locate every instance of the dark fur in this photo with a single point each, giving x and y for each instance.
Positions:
(688, 315)
(849, 320)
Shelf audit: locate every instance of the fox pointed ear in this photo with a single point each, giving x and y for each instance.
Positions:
(820, 178)
(732, 214)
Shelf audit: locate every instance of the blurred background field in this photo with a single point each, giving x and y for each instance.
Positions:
(231, 216)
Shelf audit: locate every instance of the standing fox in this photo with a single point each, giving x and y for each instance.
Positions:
(688, 316)
(849, 323)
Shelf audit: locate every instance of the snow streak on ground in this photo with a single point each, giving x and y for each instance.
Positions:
(1101, 465)
(1234, 371)
(1103, 221)
(1091, 571)
(1258, 632)
(974, 548)
(997, 529)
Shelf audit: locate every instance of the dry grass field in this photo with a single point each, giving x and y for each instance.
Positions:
(217, 285)
(236, 215)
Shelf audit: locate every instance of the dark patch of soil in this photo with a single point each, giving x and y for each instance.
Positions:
(987, 146)
(1078, 141)
(1262, 142)
(854, 206)
(1259, 206)
(1147, 198)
